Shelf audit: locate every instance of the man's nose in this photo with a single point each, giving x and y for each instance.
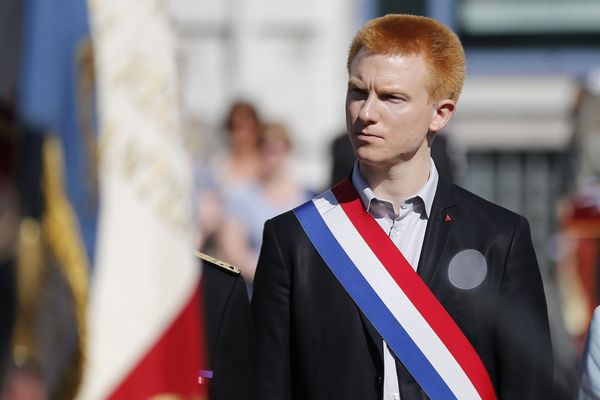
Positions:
(368, 112)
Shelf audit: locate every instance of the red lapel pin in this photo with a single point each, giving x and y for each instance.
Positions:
(448, 218)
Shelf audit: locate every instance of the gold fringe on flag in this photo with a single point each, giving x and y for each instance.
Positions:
(61, 230)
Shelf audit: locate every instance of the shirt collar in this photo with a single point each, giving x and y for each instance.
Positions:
(426, 193)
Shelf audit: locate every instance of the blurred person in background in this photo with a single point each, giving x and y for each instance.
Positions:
(9, 221)
(241, 162)
(22, 374)
(225, 302)
(579, 213)
(578, 267)
(587, 135)
(228, 170)
(229, 333)
(396, 284)
(248, 207)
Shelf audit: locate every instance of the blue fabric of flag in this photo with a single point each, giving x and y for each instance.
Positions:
(47, 100)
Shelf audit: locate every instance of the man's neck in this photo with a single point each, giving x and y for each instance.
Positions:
(397, 182)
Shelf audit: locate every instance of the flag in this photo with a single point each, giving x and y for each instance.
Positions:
(56, 97)
(145, 336)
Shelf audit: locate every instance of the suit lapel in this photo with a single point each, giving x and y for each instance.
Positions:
(439, 226)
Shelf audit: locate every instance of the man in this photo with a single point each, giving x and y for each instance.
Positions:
(228, 331)
(340, 312)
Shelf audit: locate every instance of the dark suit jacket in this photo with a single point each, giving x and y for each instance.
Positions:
(313, 342)
(229, 334)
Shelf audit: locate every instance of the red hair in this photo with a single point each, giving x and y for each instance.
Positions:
(401, 34)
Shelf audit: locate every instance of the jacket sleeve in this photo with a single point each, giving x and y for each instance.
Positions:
(271, 313)
(524, 348)
(233, 356)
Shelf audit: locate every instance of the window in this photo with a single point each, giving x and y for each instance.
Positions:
(529, 22)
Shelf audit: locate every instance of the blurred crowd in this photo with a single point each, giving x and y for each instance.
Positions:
(243, 185)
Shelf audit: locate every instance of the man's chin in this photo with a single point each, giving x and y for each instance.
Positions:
(371, 160)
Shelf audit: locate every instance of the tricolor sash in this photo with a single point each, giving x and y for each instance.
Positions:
(393, 297)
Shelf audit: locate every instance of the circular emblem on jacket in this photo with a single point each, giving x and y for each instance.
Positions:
(467, 269)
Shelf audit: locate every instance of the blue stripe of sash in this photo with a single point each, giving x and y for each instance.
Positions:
(370, 303)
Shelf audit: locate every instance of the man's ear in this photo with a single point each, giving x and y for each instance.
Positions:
(442, 114)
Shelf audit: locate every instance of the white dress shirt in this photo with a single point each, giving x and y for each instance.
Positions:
(407, 231)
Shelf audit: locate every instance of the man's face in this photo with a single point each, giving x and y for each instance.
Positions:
(388, 112)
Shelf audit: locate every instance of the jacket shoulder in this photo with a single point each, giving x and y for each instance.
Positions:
(283, 219)
(478, 205)
(217, 264)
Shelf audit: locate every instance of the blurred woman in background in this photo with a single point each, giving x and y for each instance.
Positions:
(228, 170)
(242, 162)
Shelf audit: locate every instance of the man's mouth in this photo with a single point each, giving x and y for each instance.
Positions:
(366, 136)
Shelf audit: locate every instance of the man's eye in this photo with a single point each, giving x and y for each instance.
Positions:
(393, 97)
